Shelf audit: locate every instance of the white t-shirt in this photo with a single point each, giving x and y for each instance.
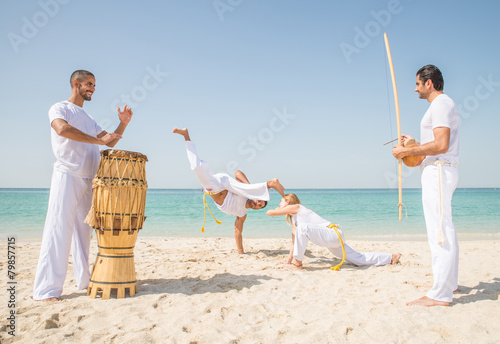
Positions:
(441, 113)
(233, 205)
(74, 157)
(307, 216)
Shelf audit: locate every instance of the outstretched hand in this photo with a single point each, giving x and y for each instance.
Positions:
(126, 115)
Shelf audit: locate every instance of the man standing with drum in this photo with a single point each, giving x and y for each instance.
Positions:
(75, 138)
(440, 143)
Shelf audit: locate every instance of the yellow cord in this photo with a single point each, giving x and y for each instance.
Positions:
(337, 267)
(205, 206)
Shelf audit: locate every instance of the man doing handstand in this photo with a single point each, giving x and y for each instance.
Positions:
(233, 196)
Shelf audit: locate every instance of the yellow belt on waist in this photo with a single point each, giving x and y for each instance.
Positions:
(205, 206)
(335, 228)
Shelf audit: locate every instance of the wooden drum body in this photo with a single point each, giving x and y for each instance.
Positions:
(117, 214)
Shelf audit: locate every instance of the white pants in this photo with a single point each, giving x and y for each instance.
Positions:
(221, 181)
(69, 203)
(444, 257)
(327, 237)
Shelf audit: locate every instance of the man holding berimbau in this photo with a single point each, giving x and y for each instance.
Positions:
(440, 144)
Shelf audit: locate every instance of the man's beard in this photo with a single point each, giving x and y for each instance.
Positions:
(84, 95)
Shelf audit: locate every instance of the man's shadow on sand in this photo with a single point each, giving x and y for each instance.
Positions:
(219, 283)
(316, 263)
(481, 292)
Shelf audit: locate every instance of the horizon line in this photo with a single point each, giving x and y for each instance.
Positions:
(338, 188)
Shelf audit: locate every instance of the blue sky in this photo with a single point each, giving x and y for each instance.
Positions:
(298, 90)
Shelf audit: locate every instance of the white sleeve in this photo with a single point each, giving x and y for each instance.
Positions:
(442, 114)
(98, 129)
(58, 111)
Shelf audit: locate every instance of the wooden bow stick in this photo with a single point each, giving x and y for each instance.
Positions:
(400, 165)
(389, 142)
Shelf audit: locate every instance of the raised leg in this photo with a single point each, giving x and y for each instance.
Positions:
(241, 177)
(275, 184)
(184, 132)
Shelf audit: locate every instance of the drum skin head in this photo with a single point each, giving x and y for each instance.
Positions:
(123, 154)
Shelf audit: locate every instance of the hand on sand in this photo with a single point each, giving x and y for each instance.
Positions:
(395, 258)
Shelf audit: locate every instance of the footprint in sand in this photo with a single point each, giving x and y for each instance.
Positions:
(53, 322)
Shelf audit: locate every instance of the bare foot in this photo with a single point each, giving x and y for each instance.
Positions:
(49, 299)
(395, 258)
(292, 267)
(285, 261)
(275, 184)
(241, 252)
(427, 302)
(184, 132)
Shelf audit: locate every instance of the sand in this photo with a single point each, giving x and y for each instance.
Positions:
(199, 290)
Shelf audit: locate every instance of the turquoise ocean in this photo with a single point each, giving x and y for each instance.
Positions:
(367, 214)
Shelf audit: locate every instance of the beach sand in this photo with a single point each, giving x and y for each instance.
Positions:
(199, 290)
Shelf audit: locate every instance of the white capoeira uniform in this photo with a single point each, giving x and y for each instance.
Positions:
(238, 193)
(69, 203)
(311, 226)
(439, 180)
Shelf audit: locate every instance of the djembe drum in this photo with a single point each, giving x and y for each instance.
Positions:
(117, 215)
